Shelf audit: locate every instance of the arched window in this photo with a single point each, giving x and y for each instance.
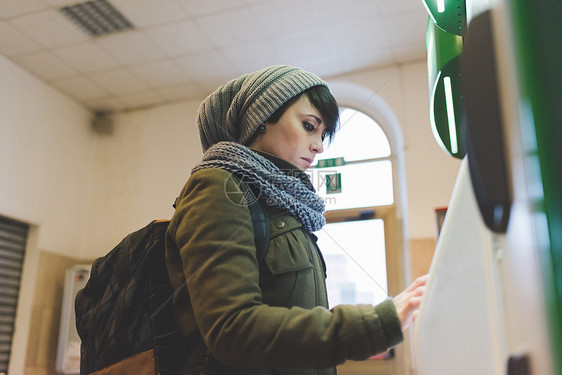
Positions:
(367, 228)
(354, 177)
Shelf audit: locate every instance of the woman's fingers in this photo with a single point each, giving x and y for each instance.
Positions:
(408, 302)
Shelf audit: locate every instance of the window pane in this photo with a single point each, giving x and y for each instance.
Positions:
(362, 185)
(359, 138)
(355, 257)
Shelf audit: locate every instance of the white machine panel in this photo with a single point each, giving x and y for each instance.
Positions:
(458, 330)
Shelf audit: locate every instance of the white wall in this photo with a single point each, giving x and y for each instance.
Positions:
(46, 155)
(138, 171)
(46, 151)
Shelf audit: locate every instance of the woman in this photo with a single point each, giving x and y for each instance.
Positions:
(267, 317)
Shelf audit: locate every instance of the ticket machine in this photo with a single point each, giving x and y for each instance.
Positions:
(494, 296)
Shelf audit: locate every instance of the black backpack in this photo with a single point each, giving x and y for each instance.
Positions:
(125, 308)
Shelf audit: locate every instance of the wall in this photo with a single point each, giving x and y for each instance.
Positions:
(138, 171)
(46, 155)
(421, 254)
(41, 353)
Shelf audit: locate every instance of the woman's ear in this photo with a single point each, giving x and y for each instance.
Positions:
(260, 131)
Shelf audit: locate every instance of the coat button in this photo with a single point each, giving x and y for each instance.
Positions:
(280, 224)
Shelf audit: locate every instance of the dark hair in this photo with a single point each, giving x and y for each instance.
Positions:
(323, 100)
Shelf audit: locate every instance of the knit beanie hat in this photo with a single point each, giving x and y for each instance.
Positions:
(235, 110)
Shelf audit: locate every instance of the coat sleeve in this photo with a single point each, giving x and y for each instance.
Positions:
(213, 234)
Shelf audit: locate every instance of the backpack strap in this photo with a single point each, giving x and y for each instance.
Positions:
(260, 221)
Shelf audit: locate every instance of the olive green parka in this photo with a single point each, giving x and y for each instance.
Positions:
(268, 318)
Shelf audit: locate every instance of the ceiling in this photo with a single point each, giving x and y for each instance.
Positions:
(184, 49)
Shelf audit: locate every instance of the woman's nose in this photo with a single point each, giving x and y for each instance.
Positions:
(317, 147)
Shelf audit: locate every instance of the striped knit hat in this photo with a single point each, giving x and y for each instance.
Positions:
(235, 110)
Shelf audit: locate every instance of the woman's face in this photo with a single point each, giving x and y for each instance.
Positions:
(297, 136)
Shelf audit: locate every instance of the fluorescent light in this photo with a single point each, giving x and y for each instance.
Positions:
(451, 114)
(96, 17)
(440, 6)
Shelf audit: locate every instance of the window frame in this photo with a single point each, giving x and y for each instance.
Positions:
(394, 218)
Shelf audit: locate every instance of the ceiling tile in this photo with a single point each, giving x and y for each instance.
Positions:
(351, 37)
(399, 6)
(324, 67)
(81, 88)
(232, 28)
(61, 3)
(406, 28)
(334, 12)
(253, 2)
(50, 29)
(286, 21)
(14, 43)
(253, 56)
(160, 74)
(304, 46)
(146, 13)
(107, 104)
(185, 49)
(173, 72)
(86, 57)
(202, 8)
(192, 90)
(14, 8)
(367, 58)
(140, 99)
(179, 39)
(409, 52)
(130, 47)
(183, 91)
(119, 81)
(46, 66)
(208, 67)
(173, 94)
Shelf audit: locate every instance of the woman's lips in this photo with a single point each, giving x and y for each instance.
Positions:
(308, 161)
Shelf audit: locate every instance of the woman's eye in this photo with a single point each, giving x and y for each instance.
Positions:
(308, 126)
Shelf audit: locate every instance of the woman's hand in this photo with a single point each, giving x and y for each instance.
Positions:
(408, 302)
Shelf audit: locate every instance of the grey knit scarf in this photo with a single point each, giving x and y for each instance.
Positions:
(276, 187)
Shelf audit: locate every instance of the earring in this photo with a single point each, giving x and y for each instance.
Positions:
(261, 128)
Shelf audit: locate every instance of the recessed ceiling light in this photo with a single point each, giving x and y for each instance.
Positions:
(97, 17)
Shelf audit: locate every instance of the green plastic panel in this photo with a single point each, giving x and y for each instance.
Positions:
(444, 53)
(441, 47)
(448, 15)
(538, 41)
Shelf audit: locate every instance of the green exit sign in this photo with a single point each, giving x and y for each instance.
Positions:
(334, 162)
(333, 183)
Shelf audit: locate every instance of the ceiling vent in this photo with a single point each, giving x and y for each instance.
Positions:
(97, 17)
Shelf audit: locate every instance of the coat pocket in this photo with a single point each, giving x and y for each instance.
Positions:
(287, 246)
(289, 277)
(286, 254)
